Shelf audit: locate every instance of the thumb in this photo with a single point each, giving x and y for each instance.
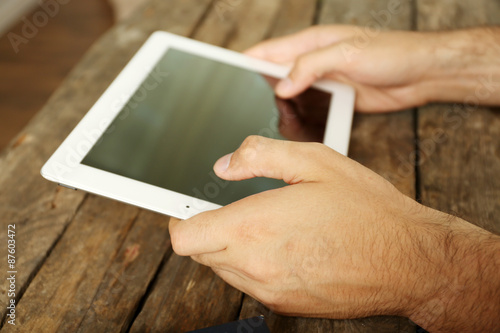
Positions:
(309, 68)
(293, 162)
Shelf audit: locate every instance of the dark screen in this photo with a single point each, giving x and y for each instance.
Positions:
(189, 112)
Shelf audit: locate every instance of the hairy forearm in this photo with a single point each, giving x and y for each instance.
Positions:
(466, 67)
(460, 286)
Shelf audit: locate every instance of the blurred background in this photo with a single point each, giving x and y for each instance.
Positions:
(32, 68)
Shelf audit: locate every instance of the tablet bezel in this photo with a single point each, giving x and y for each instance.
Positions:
(64, 166)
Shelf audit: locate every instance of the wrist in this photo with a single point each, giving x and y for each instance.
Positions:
(456, 285)
(465, 67)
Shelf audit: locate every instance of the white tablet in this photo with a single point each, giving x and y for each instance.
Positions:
(153, 137)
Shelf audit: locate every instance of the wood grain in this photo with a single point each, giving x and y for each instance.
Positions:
(40, 210)
(254, 24)
(224, 26)
(293, 17)
(380, 142)
(187, 296)
(69, 278)
(239, 24)
(129, 275)
(460, 154)
(32, 74)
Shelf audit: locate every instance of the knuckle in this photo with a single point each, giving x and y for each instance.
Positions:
(252, 141)
(250, 232)
(250, 147)
(308, 68)
(302, 64)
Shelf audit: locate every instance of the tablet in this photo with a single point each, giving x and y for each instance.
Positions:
(153, 137)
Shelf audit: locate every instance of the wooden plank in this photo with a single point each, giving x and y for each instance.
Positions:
(128, 276)
(39, 209)
(225, 18)
(224, 22)
(451, 14)
(238, 24)
(62, 291)
(12, 11)
(31, 72)
(293, 17)
(98, 272)
(187, 296)
(382, 143)
(492, 8)
(459, 172)
(255, 24)
(366, 13)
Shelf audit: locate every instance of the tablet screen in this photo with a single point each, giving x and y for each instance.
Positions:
(189, 112)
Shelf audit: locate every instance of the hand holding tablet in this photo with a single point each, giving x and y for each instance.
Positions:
(153, 137)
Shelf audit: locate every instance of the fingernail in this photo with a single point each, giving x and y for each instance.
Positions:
(284, 86)
(223, 163)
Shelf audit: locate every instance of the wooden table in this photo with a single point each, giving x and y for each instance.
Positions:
(90, 264)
